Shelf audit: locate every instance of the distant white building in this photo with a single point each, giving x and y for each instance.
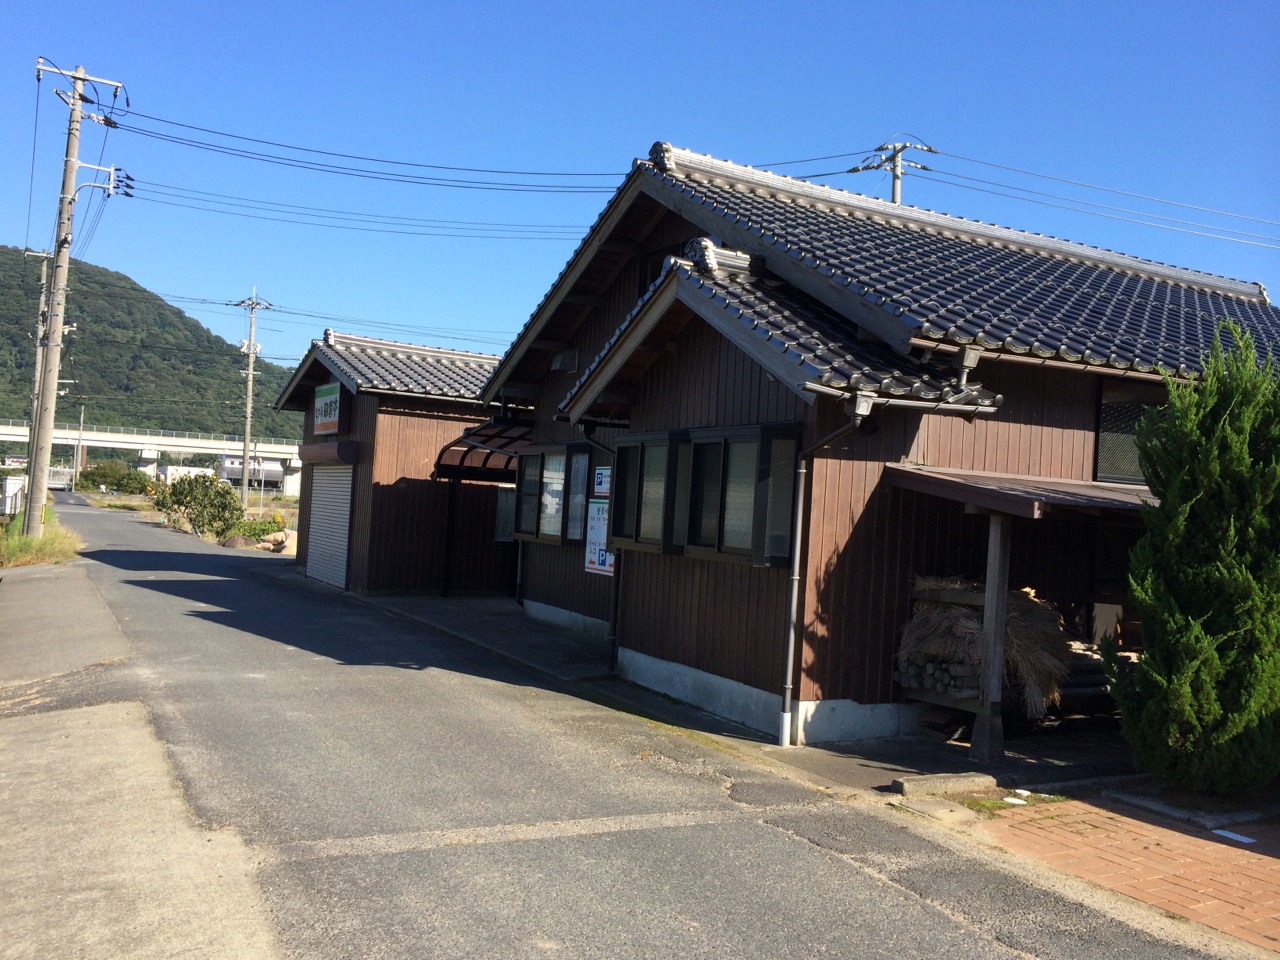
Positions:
(171, 472)
(280, 476)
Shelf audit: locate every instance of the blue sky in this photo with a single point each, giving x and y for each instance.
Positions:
(1172, 100)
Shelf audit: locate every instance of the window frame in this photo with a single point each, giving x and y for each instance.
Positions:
(531, 492)
(772, 497)
(626, 500)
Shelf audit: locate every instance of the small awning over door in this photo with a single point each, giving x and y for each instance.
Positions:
(485, 452)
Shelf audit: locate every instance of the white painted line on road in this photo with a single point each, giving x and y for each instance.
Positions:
(504, 833)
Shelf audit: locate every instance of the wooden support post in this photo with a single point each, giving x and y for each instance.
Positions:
(987, 745)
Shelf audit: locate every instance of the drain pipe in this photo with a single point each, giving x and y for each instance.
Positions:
(858, 406)
(857, 410)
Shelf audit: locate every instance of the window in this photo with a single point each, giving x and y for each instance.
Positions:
(641, 480)
(1123, 404)
(708, 493)
(551, 497)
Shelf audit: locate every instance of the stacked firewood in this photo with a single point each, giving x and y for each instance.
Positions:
(959, 681)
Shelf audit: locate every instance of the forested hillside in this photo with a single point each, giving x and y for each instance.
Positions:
(137, 361)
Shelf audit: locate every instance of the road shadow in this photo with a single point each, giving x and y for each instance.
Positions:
(261, 597)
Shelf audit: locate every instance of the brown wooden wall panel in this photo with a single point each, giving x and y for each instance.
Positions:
(556, 576)
(1047, 427)
(409, 514)
(724, 618)
(364, 425)
(868, 541)
(706, 381)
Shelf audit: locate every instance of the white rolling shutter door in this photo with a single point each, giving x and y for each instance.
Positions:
(329, 526)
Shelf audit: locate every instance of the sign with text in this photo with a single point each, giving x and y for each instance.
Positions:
(600, 483)
(328, 403)
(599, 559)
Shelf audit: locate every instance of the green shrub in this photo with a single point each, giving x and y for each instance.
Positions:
(114, 475)
(1201, 706)
(206, 503)
(255, 529)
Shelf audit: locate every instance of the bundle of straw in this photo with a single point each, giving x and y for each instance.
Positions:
(1036, 650)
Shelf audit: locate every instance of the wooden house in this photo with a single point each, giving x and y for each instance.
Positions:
(400, 490)
(764, 406)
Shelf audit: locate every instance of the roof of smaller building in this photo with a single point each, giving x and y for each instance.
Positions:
(369, 365)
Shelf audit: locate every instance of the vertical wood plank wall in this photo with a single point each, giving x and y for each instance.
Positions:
(364, 426)
(719, 616)
(410, 513)
(555, 575)
(867, 540)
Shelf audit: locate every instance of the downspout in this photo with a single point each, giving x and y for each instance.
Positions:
(860, 408)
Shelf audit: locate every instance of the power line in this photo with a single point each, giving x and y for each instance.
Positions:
(1105, 216)
(426, 232)
(1123, 193)
(31, 183)
(1104, 206)
(366, 174)
(351, 156)
(188, 193)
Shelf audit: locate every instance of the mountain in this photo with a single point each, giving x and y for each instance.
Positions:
(137, 361)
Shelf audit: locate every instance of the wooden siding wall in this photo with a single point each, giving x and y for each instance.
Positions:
(868, 540)
(728, 619)
(364, 426)
(410, 514)
(722, 617)
(304, 490)
(554, 574)
(708, 382)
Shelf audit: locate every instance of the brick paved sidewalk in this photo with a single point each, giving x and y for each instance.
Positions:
(1226, 884)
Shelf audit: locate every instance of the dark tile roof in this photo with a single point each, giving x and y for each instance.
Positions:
(959, 281)
(805, 341)
(385, 366)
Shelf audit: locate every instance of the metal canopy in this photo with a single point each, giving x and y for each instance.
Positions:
(485, 452)
(1032, 497)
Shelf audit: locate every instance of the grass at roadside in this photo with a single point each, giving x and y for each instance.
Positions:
(56, 546)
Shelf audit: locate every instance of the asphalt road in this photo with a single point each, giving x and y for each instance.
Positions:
(402, 794)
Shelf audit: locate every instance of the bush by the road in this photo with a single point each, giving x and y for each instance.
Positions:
(207, 504)
(114, 475)
(256, 529)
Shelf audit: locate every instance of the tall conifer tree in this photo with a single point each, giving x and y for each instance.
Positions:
(1202, 705)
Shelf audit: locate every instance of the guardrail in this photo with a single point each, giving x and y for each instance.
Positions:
(177, 434)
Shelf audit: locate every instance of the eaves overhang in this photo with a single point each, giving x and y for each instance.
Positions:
(578, 263)
(291, 398)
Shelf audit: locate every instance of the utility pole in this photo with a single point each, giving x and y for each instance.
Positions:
(75, 474)
(42, 444)
(890, 155)
(41, 320)
(250, 348)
